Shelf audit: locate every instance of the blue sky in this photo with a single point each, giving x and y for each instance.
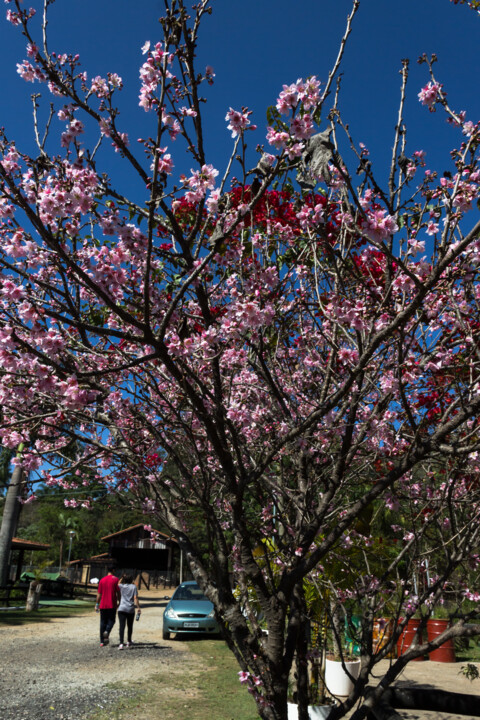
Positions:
(257, 45)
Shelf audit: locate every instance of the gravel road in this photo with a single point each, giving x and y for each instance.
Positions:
(57, 670)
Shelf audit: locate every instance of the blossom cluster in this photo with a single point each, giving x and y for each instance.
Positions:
(293, 351)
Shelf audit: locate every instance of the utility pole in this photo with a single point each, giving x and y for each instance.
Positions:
(69, 570)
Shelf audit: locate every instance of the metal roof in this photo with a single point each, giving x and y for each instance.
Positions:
(137, 527)
(19, 544)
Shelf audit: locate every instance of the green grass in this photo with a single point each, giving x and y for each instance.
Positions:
(467, 650)
(208, 688)
(205, 689)
(44, 614)
(222, 694)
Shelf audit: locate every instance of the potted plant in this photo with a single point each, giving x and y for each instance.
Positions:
(319, 703)
(342, 665)
(341, 670)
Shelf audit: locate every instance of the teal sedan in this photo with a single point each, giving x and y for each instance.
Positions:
(189, 611)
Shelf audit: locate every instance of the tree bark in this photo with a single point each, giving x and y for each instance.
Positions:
(33, 596)
(11, 512)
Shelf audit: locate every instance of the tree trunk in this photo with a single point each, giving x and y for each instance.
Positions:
(33, 596)
(276, 704)
(60, 556)
(11, 512)
(302, 669)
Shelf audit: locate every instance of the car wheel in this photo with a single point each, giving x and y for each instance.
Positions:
(165, 635)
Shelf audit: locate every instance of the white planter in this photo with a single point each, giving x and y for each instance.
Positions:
(315, 712)
(337, 680)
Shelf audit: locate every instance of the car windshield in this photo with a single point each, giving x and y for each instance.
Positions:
(190, 592)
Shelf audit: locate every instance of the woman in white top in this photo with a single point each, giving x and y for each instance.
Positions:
(126, 608)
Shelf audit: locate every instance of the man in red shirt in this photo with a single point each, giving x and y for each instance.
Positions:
(108, 595)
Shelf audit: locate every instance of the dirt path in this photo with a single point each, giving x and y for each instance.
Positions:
(58, 671)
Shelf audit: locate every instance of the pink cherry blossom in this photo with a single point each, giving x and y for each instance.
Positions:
(238, 121)
(302, 127)
(277, 139)
(430, 94)
(99, 87)
(271, 359)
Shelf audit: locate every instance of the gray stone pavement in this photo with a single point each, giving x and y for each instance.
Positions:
(429, 675)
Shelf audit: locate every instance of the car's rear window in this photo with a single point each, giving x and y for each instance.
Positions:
(192, 592)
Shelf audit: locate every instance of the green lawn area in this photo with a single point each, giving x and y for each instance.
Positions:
(207, 689)
(468, 650)
(220, 693)
(9, 616)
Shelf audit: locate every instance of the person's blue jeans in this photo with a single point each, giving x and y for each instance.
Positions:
(107, 621)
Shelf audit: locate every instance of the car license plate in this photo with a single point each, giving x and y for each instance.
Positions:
(191, 625)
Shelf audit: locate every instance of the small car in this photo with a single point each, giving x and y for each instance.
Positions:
(189, 611)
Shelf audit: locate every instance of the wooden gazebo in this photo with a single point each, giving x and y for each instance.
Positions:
(21, 546)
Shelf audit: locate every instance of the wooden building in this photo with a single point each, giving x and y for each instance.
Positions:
(150, 556)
